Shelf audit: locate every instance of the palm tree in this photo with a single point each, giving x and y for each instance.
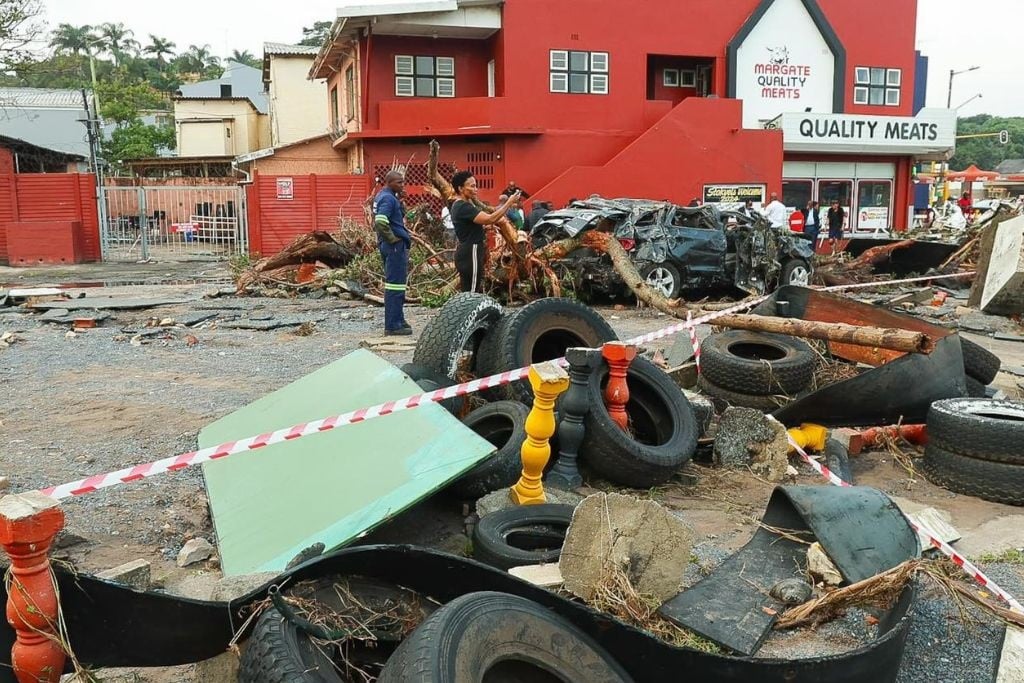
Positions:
(72, 40)
(244, 57)
(119, 40)
(159, 47)
(197, 58)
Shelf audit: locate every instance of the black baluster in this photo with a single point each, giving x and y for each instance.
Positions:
(573, 407)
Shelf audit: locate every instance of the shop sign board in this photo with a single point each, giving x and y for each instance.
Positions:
(873, 218)
(931, 132)
(734, 193)
(285, 188)
(784, 64)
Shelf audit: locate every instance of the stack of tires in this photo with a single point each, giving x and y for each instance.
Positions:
(755, 369)
(472, 336)
(976, 447)
(980, 367)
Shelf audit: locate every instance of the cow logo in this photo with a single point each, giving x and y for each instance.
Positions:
(779, 55)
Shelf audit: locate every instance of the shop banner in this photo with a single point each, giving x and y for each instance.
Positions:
(734, 194)
(873, 218)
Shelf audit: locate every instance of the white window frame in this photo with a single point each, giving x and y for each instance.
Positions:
(670, 78)
(596, 74)
(862, 75)
(449, 71)
(603, 58)
(890, 87)
(406, 71)
(405, 86)
(405, 76)
(687, 78)
(893, 78)
(438, 82)
(860, 95)
(598, 84)
(892, 101)
(558, 60)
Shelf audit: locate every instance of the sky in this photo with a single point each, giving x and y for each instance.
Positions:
(954, 34)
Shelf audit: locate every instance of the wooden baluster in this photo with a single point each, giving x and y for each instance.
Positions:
(28, 524)
(548, 381)
(574, 408)
(616, 395)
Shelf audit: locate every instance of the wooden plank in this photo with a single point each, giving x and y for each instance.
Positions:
(543, 575)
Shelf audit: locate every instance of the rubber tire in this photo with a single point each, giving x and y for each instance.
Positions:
(459, 324)
(278, 652)
(998, 482)
(463, 639)
(767, 404)
(503, 423)
(788, 375)
(979, 362)
(837, 459)
(677, 279)
(515, 343)
(666, 416)
(488, 359)
(975, 389)
(963, 426)
(428, 380)
(545, 523)
(789, 267)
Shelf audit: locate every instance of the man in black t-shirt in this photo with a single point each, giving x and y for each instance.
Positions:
(469, 221)
(836, 219)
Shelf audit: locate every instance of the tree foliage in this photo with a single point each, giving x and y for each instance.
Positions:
(137, 140)
(19, 28)
(317, 34)
(986, 152)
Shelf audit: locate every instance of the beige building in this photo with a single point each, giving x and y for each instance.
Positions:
(296, 103)
(228, 116)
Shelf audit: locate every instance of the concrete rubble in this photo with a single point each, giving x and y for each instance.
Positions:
(195, 550)
(747, 438)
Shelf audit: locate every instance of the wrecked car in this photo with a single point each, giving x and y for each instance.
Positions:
(676, 247)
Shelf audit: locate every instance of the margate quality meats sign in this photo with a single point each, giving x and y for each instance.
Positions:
(784, 64)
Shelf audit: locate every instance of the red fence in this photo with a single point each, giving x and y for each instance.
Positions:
(283, 207)
(48, 218)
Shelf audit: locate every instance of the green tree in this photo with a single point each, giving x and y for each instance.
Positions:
(72, 40)
(246, 57)
(19, 29)
(317, 34)
(987, 152)
(118, 40)
(122, 102)
(196, 59)
(159, 48)
(137, 140)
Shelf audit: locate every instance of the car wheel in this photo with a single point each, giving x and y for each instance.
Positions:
(796, 272)
(663, 278)
(528, 534)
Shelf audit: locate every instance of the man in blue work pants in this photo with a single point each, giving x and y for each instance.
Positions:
(393, 241)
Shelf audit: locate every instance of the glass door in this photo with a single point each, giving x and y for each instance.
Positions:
(841, 190)
(874, 206)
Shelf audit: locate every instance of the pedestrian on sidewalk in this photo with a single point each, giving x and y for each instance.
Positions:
(471, 254)
(836, 220)
(775, 212)
(394, 241)
(812, 220)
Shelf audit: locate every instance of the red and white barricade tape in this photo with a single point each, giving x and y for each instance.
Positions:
(694, 341)
(966, 565)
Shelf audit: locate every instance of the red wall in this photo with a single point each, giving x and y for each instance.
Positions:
(6, 161)
(47, 201)
(318, 202)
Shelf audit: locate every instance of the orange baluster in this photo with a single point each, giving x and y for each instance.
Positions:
(616, 394)
(28, 524)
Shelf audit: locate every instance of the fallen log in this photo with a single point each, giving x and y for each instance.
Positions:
(308, 248)
(877, 337)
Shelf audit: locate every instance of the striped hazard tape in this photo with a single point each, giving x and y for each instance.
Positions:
(966, 565)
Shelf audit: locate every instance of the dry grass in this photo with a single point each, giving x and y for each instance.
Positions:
(827, 368)
(615, 595)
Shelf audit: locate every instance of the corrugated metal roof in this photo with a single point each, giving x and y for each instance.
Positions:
(285, 49)
(1011, 166)
(40, 97)
(244, 80)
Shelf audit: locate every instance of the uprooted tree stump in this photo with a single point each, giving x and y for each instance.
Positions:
(309, 248)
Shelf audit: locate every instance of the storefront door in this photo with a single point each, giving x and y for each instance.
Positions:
(842, 190)
(874, 205)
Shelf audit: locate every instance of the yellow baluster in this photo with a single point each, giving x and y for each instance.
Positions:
(548, 381)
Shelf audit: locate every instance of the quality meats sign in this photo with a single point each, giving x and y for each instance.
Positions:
(780, 80)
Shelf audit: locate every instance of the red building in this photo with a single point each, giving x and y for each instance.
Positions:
(667, 100)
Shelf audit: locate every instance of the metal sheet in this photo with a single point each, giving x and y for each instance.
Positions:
(333, 486)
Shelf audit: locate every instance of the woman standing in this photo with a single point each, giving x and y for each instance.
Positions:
(469, 221)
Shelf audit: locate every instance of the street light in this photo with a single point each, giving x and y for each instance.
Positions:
(952, 75)
(965, 103)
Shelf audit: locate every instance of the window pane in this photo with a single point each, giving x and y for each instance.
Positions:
(599, 84)
(599, 61)
(424, 87)
(893, 77)
(404, 86)
(687, 78)
(445, 66)
(892, 97)
(860, 95)
(578, 83)
(579, 61)
(670, 78)
(796, 193)
(877, 76)
(446, 87)
(403, 65)
(834, 189)
(559, 60)
(874, 194)
(862, 75)
(877, 96)
(424, 66)
(559, 82)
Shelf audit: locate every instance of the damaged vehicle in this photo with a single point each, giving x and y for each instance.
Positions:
(677, 248)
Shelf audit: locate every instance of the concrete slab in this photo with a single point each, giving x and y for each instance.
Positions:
(1011, 661)
(1004, 283)
(994, 536)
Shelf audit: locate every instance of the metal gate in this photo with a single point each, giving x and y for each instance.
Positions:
(172, 222)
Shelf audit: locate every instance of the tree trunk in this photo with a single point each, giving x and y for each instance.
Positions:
(878, 337)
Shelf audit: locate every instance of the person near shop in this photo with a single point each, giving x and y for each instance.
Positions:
(836, 221)
(812, 220)
(515, 214)
(469, 221)
(393, 241)
(748, 209)
(966, 205)
(539, 210)
(775, 212)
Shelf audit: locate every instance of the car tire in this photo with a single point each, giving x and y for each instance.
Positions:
(503, 424)
(757, 363)
(428, 380)
(480, 636)
(663, 278)
(999, 482)
(796, 272)
(522, 535)
(455, 330)
(975, 389)
(663, 426)
(540, 331)
(979, 362)
(279, 652)
(723, 398)
(982, 428)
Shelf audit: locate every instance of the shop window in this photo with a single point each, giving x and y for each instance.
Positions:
(877, 86)
(796, 193)
(874, 199)
(422, 76)
(579, 73)
(350, 93)
(829, 190)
